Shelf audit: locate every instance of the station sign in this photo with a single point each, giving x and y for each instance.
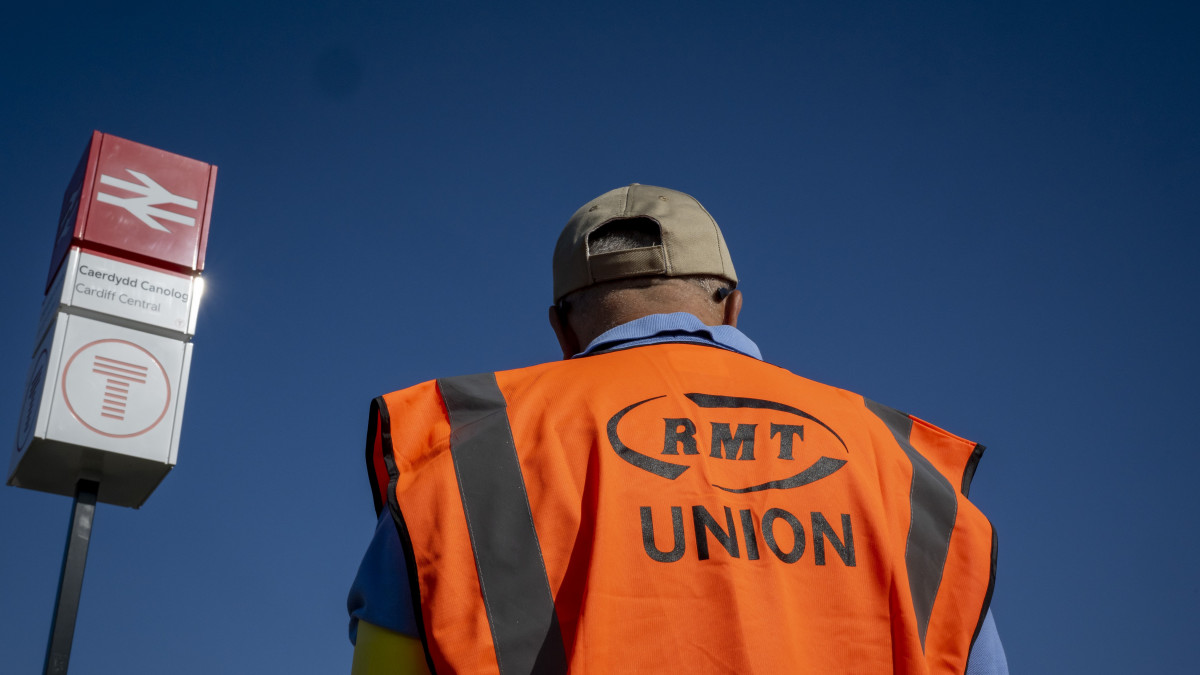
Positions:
(102, 402)
(137, 202)
(126, 293)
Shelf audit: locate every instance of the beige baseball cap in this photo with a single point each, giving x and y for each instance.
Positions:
(691, 241)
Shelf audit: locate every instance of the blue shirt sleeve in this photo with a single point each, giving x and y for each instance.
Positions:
(380, 593)
(987, 654)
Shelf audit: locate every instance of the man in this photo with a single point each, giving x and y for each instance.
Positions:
(662, 500)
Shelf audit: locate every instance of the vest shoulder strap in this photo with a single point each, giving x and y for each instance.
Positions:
(508, 558)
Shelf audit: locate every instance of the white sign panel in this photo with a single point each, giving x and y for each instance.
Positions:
(125, 293)
(53, 302)
(103, 402)
(33, 405)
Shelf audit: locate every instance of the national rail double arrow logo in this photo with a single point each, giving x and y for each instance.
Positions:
(149, 197)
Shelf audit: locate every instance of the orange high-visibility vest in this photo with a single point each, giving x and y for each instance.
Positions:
(680, 508)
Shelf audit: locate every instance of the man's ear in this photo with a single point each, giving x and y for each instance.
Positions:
(567, 339)
(733, 307)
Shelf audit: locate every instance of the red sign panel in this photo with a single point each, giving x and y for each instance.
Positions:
(136, 202)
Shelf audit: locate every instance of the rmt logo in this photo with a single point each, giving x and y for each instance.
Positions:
(761, 451)
(727, 441)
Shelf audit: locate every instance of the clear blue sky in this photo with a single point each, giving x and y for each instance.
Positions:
(984, 214)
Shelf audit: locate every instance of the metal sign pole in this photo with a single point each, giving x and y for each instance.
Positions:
(70, 580)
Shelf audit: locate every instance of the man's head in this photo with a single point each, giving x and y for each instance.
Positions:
(635, 251)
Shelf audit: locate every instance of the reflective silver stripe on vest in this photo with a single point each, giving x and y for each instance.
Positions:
(512, 574)
(934, 510)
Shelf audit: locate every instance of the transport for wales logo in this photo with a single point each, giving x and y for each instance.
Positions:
(116, 388)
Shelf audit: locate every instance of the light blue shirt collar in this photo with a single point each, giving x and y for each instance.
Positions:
(674, 327)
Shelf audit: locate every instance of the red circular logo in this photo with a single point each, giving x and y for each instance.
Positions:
(116, 388)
